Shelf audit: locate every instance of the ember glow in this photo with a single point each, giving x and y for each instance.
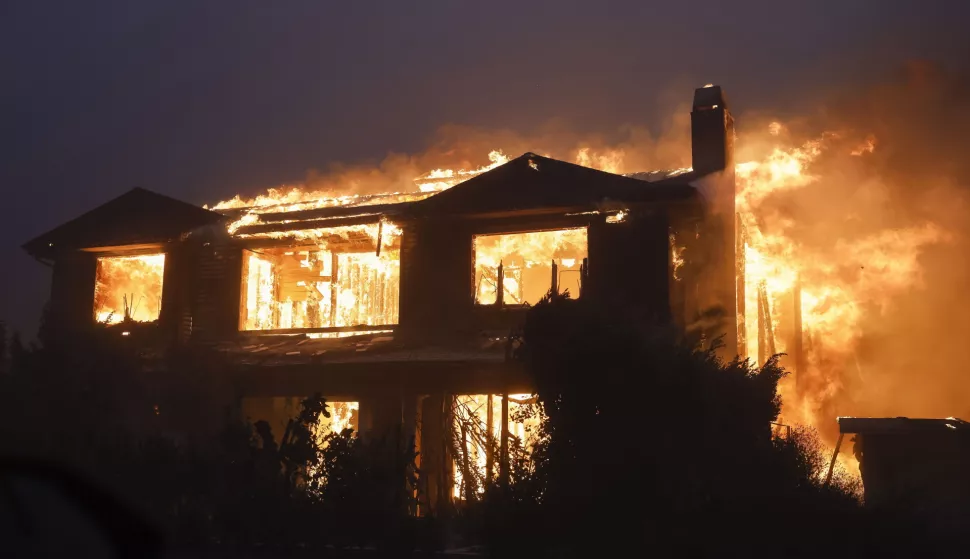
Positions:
(128, 288)
(529, 264)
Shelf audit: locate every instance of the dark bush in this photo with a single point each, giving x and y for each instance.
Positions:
(654, 444)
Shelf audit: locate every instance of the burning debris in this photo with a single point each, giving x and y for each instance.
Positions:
(349, 277)
(476, 430)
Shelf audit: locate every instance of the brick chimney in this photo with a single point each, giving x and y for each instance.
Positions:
(712, 155)
(712, 131)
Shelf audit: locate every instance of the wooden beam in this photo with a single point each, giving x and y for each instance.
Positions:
(334, 288)
(504, 451)
(294, 225)
(797, 349)
(489, 440)
(762, 329)
(583, 276)
(838, 445)
(380, 236)
(555, 278)
(129, 250)
(334, 212)
(740, 260)
(360, 243)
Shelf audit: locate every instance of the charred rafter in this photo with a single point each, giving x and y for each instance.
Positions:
(306, 225)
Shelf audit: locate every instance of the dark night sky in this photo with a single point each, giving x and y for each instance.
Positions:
(201, 100)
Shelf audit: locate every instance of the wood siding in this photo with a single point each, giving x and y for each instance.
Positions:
(436, 279)
(217, 281)
(72, 292)
(629, 266)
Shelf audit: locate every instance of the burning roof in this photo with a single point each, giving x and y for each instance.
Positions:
(529, 183)
(532, 182)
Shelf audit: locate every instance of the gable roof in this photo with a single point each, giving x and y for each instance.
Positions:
(137, 217)
(531, 182)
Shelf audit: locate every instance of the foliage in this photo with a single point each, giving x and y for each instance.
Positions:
(205, 478)
(367, 493)
(649, 439)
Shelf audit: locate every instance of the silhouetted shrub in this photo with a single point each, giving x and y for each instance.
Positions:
(242, 485)
(651, 443)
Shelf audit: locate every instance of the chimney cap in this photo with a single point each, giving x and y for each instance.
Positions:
(709, 97)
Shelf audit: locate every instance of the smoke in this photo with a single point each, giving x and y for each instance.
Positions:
(886, 219)
(883, 225)
(911, 359)
(631, 147)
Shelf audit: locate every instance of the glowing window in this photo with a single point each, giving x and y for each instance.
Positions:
(311, 287)
(477, 431)
(529, 264)
(343, 415)
(128, 288)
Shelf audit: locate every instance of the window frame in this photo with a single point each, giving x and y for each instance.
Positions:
(522, 231)
(126, 252)
(289, 245)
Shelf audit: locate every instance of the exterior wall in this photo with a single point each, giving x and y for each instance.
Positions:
(436, 279)
(216, 281)
(628, 266)
(71, 307)
(200, 293)
(176, 293)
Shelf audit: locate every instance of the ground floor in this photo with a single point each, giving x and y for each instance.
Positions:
(465, 418)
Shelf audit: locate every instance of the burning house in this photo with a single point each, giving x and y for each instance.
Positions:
(398, 308)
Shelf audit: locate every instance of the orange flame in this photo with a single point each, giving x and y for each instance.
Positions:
(471, 431)
(839, 285)
(128, 287)
(527, 261)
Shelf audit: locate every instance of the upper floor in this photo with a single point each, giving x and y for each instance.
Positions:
(460, 263)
